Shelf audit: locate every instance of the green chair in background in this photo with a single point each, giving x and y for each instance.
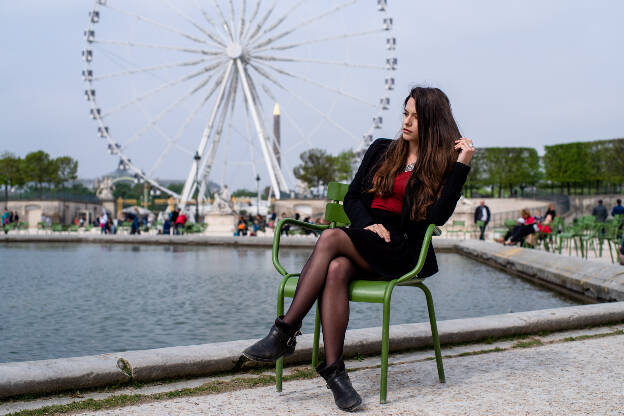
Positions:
(368, 291)
(457, 227)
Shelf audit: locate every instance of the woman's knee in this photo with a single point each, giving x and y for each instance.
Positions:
(330, 239)
(339, 271)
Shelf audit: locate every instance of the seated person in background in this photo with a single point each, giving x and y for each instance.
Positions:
(538, 216)
(550, 214)
(524, 227)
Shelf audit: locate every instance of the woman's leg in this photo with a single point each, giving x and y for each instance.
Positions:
(522, 232)
(331, 244)
(334, 305)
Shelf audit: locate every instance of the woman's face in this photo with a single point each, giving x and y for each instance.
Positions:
(410, 121)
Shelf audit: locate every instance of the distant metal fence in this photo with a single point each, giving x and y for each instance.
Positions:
(50, 196)
(561, 201)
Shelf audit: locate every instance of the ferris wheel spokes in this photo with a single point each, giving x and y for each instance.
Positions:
(162, 87)
(206, 163)
(300, 25)
(167, 110)
(313, 82)
(156, 23)
(220, 42)
(183, 127)
(314, 108)
(325, 39)
(277, 178)
(136, 71)
(189, 185)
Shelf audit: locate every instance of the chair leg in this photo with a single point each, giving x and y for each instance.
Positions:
(279, 364)
(434, 332)
(385, 335)
(317, 330)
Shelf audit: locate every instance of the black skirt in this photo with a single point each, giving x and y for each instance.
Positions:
(390, 260)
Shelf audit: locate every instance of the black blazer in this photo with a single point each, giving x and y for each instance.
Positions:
(477, 214)
(357, 203)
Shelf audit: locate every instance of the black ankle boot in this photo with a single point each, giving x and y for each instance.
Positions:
(337, 379)
(280, 342)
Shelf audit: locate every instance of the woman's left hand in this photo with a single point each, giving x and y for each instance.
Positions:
(466, 150)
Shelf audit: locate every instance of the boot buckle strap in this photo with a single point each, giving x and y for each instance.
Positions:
(292, 340)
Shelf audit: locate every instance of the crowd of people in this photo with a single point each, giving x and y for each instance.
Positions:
(529, 224)
(250, 225)
(9, 217)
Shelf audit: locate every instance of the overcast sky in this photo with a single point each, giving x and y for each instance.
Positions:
(518, 73)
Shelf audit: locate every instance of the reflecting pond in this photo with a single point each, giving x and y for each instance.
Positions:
(64, 300)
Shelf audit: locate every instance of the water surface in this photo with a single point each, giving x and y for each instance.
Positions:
(64, 300)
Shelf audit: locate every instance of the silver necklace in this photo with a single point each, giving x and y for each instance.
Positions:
(409, 167)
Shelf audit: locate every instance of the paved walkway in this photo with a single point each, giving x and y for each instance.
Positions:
(545, 375)
(568, 378)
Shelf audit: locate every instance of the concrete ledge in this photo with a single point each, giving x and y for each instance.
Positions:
(47, 376)
(193, 239)
(597, 280)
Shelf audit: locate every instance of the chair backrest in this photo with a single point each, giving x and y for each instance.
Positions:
(334, 210)
(510, 223)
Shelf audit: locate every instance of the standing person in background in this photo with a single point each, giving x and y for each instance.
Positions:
(600, 212)
(180, 222)
(286, 228)
(103, 222)
(618, 209)
(134, 227)
(173, 218)
(482, 213)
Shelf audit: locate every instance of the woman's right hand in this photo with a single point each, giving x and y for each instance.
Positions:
(380, 230)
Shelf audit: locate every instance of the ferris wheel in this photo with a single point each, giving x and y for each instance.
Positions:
(170, 83)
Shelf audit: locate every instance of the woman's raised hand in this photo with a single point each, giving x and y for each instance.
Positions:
(466, 150)
(380, 230)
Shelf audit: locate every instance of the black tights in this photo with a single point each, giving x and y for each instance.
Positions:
(326, 275)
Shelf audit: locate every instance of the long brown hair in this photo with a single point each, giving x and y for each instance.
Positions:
(437, 132)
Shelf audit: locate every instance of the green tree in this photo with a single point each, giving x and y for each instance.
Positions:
(317, 168)
(128, 190)
(11, 174)
(39, 168)
(67, 170)
(343, 165)
(243, 192)
(176, 187)
(478, 171)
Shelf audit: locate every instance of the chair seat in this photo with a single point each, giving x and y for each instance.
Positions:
(370, 291)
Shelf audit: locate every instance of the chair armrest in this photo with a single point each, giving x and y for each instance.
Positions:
(431, 229)
(277, 234)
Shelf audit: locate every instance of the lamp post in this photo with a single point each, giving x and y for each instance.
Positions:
(258, 192)
(197, 157)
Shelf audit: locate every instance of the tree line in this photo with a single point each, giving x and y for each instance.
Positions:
(36, 168)
(569, 168)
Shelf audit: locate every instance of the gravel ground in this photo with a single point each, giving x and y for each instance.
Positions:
(565, 378)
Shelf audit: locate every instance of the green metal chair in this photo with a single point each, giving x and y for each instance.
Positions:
(571, 234)
(458, 227)
(368, 291)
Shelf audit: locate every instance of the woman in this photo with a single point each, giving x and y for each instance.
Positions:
(400, 188)
(550, 214)
(525, 226)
